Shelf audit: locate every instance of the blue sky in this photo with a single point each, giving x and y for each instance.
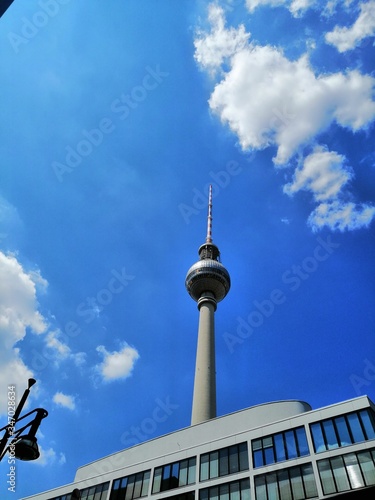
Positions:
(114, 122)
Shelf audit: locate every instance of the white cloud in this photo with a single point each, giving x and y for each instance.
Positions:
(57, 351)
(49, 456)
(212, 49)
(296, 7)
(64, 400)
(341, 216)
(18, 312)
(117, 364)
(323, 173)
(344, 38)
(268, 100)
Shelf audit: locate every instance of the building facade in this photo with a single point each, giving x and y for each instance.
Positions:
(275, 451)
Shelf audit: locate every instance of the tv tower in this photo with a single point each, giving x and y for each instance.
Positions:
(207, 282)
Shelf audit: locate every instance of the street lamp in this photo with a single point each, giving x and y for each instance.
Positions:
(23, 447)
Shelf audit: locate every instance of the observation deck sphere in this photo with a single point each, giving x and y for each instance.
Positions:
(207, 275)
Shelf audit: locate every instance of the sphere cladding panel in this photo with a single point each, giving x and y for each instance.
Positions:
(207, 276)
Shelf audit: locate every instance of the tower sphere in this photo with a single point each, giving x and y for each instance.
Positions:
(208, 275)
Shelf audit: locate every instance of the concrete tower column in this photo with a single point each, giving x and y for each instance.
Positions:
(207, 282)
(204, 397)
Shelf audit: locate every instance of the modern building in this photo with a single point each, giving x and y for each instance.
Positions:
(282, 450)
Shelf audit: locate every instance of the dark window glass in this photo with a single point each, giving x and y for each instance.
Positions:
(244, 456)
(303, 447)
(214, 464)
(236, 490)
(354, 471)
(174, 476)
(223, 462)
(214, 493)
(297, 483)
(91, 493)
(205, 464)
(355, 427)
(318, 439)
(330, 434)
(279, 447)
(130, 488)
(260, 487)
(343, 431)
(224, 492)
(192, 470)
(368, 424)
(290, 444)
(367, 467)
(339, 473)
(284, 484)
(258, 458)
(183, 477)
(326, 477)
(234, 465)
(157, 480)
(309, 481)
(269, 456)
(138, 485)
(203, 494)
(146, 483)
(347, 472)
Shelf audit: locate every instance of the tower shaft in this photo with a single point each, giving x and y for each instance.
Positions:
(207, 282)
(204, 396)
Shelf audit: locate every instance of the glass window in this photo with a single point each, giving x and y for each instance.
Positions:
(330, 434)
(223, 462)
(279, 447)
(343, 431)
(297, 483)
(157, 480)
(309, 481)
(203, 494)
(353, 470)
(269, 457)
(318, 439)
(182, 480)
(234, 465)
(205, 462)
(303, 447)
(339, 473)
(326, 477)
(367, 467)
(173, 482)
(272, 489)
(224, 492)
(258, 458)
(214, 493)
(191, 470)
(355, 427)
(284, 485)
(245, 489)
(138, 485)
(260, 487)
(146, 483)
(130, 488)
(244, 456)
(91, 493)
(290, 444)
(234, 491)
(368, 424)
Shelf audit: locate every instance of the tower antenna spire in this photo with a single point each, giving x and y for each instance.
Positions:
(209, 217)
